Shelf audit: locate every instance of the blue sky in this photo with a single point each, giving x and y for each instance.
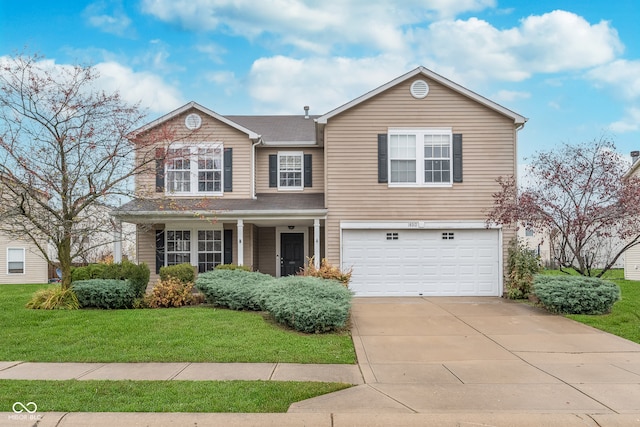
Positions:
(571, 67)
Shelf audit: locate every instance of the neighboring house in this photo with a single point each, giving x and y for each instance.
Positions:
(394, 184)
(538, 243)
(20, 259)
(631, 256)
(21, 262)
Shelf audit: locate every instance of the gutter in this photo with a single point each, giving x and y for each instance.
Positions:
(253, 167)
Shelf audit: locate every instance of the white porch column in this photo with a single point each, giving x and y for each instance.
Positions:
(240, 242)
(117, 241)
(316, 243)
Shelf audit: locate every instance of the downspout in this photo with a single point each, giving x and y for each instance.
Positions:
(253, 167)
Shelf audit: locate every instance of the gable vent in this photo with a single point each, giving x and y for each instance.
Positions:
(419, 89)
(193, 121)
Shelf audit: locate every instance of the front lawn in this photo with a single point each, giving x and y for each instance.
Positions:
(624, 319)
(193, 334)
(161, 396)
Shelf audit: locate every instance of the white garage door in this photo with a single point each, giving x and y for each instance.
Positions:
(422, 262)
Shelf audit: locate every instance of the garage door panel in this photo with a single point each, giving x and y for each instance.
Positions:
(422, 262)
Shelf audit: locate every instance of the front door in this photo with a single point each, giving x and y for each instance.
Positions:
(291, 253)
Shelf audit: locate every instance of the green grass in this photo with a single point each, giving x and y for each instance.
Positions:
(160, 396)
(624, 319)
(193, 334)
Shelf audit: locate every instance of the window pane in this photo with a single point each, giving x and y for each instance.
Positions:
(209, 169)
(403, 171)
(178, 247)
(209, 246)
(15, 261)
(290, 170)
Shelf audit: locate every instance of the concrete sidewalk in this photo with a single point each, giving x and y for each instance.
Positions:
(349, 374)
(76, 419)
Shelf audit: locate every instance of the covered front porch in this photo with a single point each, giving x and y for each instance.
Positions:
(270, 238)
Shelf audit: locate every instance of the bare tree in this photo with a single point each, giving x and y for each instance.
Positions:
(64, 149)
(579, 196)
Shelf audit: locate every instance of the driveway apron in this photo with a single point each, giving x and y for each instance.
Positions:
(443, 355)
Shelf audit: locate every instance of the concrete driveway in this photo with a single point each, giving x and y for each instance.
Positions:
(483, 355)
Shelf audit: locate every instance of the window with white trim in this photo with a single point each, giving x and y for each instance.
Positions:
(290, 166)
(194, 169)
(15, 260)
(209, 249)
(178, 246)
(203, 246)
(420, 157)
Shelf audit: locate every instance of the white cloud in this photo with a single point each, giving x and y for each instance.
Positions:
(213, 51)
(226, 80)
(284, 85)
(553, 42)
(622, 75)
(144, 87)
(510, 95)
(134, 87)
(630, 122)
(117, 22)
(311, 25)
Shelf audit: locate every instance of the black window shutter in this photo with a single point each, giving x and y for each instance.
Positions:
(159, 170)
(228, 247)
(307, 170)
(159, 250)
(228, 169)
(457, 157)
(382, 158)
(273, 170)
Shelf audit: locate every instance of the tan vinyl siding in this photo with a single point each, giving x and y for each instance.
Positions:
(352, 188)
(146, 249)
(267, 250)
(35, 266)
(262, 168)
(211, 130)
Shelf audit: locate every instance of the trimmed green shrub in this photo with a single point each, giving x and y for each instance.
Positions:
(522, 264)
(307, 304)
(105, 293)
(170, 293)
(236, 289)
(232, 267)
(183, 272)
(576, 294)
(137, 275)
(54, 298)
(80, 273)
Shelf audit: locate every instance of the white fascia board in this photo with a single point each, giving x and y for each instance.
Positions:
(251, 134)
(417, 225)
(517, 118)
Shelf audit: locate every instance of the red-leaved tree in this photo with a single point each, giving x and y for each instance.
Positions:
(579, 197)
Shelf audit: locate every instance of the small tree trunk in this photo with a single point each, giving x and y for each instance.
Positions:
(64, 257)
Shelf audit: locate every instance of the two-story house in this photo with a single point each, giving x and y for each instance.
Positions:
(394, 184)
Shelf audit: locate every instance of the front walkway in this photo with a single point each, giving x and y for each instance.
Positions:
(349, 374)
